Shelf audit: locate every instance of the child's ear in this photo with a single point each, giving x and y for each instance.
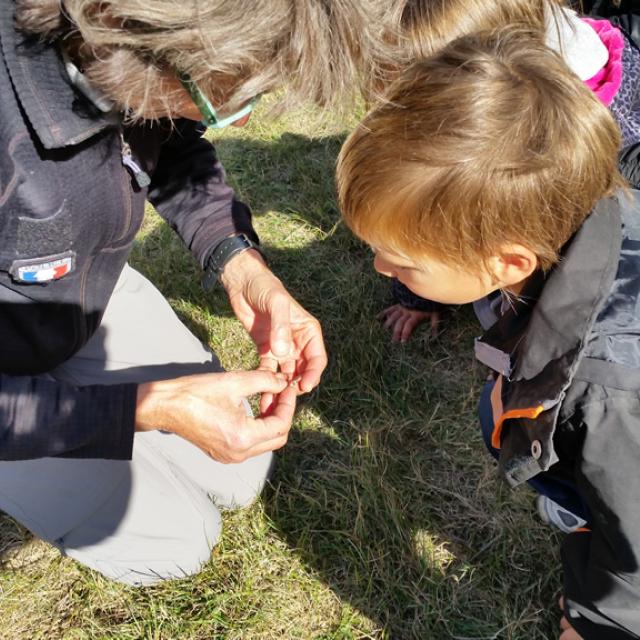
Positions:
(514, 264)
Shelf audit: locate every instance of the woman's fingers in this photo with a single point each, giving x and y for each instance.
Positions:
(312, 362)
(268, 363)
(277, 421)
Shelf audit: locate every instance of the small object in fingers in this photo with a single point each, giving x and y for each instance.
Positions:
(294, 381)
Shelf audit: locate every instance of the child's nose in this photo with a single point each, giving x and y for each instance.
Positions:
(383, 267)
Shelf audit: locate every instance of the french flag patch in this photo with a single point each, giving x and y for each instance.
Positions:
(39, 271)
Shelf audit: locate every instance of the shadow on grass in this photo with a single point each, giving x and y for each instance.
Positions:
(13, 536)
(384, 489)
(292, 174)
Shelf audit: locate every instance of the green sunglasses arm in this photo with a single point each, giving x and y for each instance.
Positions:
(207, 110)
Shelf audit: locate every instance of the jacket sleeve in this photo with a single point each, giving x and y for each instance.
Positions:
(601, 565)
(408, 299)
(625, 15)
(41, 417)
(189, 191)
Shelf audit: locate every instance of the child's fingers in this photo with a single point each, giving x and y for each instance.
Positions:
(568, 633)
(398, 328)
(385, 312)
(407, 330)
(393, 317)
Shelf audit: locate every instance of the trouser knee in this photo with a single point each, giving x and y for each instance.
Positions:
(149, 558)
(248, 483)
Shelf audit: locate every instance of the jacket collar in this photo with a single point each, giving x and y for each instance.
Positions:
(571, 297)
(58, 113)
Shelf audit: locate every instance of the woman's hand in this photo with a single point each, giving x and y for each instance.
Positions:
(209, 411)
(288, 338)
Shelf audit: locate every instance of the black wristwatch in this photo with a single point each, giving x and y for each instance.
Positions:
(219, 257)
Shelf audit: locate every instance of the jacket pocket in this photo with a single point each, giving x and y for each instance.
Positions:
(45, 236)
(39, 249)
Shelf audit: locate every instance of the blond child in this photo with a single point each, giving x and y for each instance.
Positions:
(492, 168)
(605, 57)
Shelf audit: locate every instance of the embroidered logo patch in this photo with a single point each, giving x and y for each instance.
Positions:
(42, 270)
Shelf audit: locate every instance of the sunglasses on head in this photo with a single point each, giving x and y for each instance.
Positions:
(209, 115)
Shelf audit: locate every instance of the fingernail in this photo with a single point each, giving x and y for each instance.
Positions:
(281, 342)
(281, 348)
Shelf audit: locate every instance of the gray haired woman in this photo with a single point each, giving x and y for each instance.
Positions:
(116, 420)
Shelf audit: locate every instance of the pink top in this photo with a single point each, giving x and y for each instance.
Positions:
(607, 81)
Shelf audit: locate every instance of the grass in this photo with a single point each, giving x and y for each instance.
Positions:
(385, 518)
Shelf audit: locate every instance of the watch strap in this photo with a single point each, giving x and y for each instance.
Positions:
(219, 257)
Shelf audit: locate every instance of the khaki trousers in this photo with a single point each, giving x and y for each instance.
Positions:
(157, 516)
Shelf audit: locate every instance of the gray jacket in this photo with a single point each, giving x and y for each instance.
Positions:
(570, 378)
(70, 207)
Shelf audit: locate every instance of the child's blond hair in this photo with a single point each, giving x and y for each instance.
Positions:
(429, 25)
(493, 140)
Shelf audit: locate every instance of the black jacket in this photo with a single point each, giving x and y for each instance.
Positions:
(623, 13)
(570, 393)
(66, 198)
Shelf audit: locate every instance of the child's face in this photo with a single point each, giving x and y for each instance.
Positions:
(435, 280)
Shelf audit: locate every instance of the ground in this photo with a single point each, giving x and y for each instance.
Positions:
(385, 518)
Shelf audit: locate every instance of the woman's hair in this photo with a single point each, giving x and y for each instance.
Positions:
(492, 140)
(233, 49)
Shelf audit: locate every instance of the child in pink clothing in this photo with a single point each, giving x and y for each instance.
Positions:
(606, 83)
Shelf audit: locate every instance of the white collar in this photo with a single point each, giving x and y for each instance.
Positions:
(80, 82)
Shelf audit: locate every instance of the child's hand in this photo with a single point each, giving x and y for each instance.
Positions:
(568, 632)
(403, 321)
